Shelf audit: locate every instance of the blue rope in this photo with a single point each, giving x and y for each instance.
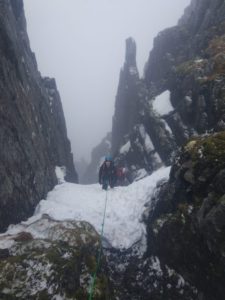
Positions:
(93, 283)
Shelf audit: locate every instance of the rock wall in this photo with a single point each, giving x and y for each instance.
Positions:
(188, 59)
(186, 224)
(59, 266)
(186, 64)
(185, 217)
(33, 134)
(185, 221)
(141, 139)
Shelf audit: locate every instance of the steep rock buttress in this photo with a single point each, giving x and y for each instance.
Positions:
(181, 94)
(33, 133)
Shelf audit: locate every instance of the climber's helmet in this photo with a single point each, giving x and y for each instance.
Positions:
(108, 158)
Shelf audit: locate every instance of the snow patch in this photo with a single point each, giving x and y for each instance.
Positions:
(162, 104)
(198, 61)
(125, 148)
(167, 126)
(156, 266)
(148, 144)
(125, 206)
(142, 131)
(6, 242)
(60, 173)
(147, 140)
(181, 282)
(141, 173)
(157, 158)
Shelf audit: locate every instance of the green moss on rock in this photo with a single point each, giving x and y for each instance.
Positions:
(207, 155)
(191, 236)
(190, 66)
(38, 269)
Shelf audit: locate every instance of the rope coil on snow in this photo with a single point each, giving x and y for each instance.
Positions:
(93, 283)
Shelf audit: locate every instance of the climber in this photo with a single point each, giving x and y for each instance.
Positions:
(121, 176)
(107, 173)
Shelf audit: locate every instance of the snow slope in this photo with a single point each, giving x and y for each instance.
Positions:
(125, 206)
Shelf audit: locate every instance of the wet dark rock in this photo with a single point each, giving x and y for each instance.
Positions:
(138, 277)
(185, 251)
(185, 218)
(23, 236)
(59, 266)
(4, 253)
(186, 228)
(126, 106)
(33, 134)
(141, 140)
(188, 61)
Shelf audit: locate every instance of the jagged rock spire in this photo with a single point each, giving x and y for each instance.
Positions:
(126, 99)
(131, 49)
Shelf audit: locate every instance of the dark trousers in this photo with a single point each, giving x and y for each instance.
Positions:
(106, 182)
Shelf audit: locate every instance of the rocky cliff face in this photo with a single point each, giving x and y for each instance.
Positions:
(141, 138)
(188, 60)
(186, 224)
(185, 218)
(33, 134)
(181, 94)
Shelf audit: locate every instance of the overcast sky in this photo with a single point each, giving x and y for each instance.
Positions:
(82, 44)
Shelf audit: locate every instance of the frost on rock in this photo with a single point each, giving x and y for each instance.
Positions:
(148, 144)
(146, 138)
(133, 70)
(167, 126)
(146, 277)
(142, 131)
(60, 174)
(162, 104)
(56, 260)
(156, 266)
(158, 160)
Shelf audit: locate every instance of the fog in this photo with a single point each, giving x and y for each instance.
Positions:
(82, 44)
